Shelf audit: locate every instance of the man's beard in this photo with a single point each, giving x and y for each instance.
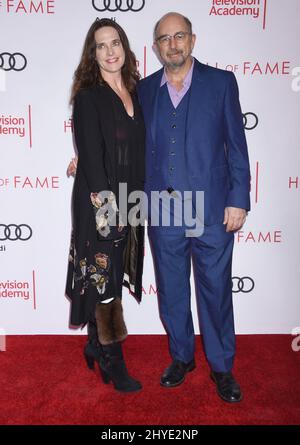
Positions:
(178, 63)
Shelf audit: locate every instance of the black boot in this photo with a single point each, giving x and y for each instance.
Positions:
(93, 349)
(113, 369)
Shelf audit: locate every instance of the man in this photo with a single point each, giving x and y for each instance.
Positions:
(195, 141)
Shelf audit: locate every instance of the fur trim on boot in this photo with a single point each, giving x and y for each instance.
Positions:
(118, 321)
(110, 322)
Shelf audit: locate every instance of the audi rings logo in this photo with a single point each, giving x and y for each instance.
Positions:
(14, 232)
(250, 120)
(14, 61)
(118, 5)
(244, 284)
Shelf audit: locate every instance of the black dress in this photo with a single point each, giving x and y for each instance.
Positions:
(130, 134)
(96, 274)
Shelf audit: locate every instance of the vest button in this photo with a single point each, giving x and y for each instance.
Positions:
(171, 168)
(172, 152)
(174, 113)
(173, 126)
(173, 141)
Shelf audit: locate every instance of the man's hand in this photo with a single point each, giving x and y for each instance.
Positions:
(72, 167)
(234, 218)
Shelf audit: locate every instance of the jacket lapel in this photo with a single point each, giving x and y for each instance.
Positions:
(154, 104)
(197, 99)
(107, 121)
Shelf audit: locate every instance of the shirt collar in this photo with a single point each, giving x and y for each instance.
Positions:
(186, 81)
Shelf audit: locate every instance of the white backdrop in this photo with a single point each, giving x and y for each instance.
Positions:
(40, 46)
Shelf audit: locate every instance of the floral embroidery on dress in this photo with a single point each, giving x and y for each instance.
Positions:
(72, 256)
(100, 282)
(72, 252)
(101, 260)
(83, 267)
(106, 212)
(96, 274)
(94, 271)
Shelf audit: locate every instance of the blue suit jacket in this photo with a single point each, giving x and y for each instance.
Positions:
(216, 155)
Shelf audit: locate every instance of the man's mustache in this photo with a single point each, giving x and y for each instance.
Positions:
(174, 52)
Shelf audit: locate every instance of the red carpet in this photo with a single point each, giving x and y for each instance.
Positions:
(44, 381)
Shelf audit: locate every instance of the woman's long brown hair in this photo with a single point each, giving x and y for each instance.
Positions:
(88, 73)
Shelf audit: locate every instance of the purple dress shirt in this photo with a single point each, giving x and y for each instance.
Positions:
(177, 96)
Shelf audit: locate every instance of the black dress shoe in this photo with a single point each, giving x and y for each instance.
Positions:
(227, 388)
(174, 375)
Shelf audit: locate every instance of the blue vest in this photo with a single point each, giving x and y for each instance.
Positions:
(170, 147)
(170, 141)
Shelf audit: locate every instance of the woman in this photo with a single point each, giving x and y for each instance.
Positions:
(109, 135)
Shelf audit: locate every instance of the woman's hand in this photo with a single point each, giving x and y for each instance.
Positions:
(72, 167)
